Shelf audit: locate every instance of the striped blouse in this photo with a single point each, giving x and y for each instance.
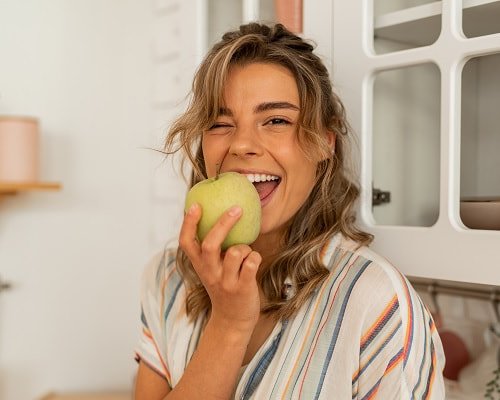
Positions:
(363, 334)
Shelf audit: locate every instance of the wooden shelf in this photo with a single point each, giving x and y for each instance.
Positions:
(9, 188)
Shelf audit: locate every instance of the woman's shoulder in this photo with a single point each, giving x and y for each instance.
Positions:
(379, 303)
(373, 287)
(161, 273)
(365, 270)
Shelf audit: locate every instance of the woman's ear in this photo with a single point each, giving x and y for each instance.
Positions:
(330, 137)
(328, 151)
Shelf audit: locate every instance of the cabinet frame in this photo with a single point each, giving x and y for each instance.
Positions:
(446, 250)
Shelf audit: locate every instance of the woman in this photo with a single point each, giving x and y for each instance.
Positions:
(307, 311)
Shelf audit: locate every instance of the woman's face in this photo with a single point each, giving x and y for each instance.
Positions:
(256, 135)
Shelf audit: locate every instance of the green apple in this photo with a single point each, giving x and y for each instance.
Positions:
(217, 195)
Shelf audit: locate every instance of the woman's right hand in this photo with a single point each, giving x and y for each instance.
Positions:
(229, 277)
(230, 280)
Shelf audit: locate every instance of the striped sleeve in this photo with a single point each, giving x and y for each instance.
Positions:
(401, 355)
(152, 342)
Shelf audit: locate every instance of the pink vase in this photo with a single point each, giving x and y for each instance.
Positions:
(289, 13)
(19, 149)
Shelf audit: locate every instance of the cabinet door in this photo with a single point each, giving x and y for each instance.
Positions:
(420, 94)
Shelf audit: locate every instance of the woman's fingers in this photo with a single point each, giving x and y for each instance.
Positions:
(229, 277)
(240, 265)
(211, 245)
(221, 228)
(206, 257)
(239, 300)
(233, 263)
(187, 235)
(249, 268)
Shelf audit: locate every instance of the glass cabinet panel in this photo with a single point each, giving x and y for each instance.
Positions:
(400, 25)
(480, 143)
(480, 17)
(406, 145)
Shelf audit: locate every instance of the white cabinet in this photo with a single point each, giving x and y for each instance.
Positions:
(421, 84)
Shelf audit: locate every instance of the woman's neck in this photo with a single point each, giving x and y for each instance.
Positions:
(268, 247)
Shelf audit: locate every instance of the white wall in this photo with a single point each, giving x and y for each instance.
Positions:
(74, 257)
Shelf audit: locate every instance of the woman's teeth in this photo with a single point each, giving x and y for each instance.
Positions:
(261, 177)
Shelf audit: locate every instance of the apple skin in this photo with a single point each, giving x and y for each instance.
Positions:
(218, 195)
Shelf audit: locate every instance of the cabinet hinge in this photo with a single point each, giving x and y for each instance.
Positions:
(380, 196)
(4, 285)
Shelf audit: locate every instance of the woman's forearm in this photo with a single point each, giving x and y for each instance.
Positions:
(213, 370)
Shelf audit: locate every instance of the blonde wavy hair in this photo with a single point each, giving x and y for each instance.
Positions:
(330, 206)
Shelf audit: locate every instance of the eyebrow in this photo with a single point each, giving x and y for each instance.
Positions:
(275, 105)
(272, 105)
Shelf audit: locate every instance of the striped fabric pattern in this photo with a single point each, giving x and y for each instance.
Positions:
(364, 334)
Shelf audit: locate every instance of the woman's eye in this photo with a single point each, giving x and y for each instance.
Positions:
(217, 125)
(278, 121)
(219, 129)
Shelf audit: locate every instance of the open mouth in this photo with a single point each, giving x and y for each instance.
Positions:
(265, 184)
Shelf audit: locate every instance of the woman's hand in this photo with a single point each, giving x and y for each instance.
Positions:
(229, 277)
(230, 280)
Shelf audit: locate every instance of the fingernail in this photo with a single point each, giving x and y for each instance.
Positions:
(234, 211)
(193, 208)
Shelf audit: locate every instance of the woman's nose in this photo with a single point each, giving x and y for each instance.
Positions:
(245, 142)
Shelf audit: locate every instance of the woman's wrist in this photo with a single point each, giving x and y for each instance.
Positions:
(233, 333)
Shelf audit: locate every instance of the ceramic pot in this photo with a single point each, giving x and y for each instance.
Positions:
(19, 149)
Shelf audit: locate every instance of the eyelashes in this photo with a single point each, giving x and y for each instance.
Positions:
(275, 121)
(278, 121)
(217, 126)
